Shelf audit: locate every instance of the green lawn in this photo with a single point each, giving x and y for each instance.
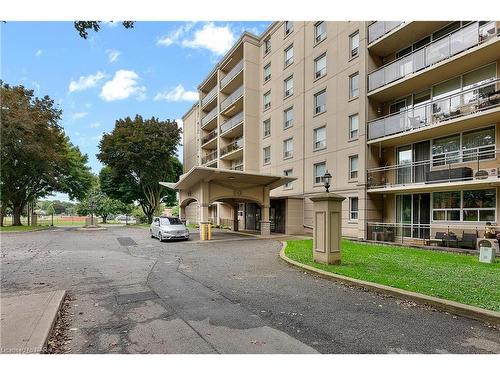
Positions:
(456, 277)
(22, 228)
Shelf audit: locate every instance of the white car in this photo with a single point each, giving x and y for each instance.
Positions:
(168, 228)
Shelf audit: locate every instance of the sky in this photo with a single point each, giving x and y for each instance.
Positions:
(152, 70)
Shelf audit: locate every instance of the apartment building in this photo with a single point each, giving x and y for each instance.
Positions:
(404, 116)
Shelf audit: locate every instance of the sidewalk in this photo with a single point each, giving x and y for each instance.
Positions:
(26, 321)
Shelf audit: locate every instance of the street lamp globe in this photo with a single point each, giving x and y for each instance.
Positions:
(327, 178)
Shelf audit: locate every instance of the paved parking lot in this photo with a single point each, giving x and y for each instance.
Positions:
(133, 294)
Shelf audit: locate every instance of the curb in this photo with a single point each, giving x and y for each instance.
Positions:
(42, 332)
(453, 307)
(26, 231)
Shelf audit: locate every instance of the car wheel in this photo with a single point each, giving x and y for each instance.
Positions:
(160, 236)
(151, 232)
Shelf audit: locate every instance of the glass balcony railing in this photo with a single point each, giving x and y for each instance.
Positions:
(231, 74)
(449, 45)
(232, 122)
(477, 163)
(379, 28)
(209, 137)
(209, 157)
(233, 146)
(232, 98)
(209, 117)
(209, 96)
(473, 100)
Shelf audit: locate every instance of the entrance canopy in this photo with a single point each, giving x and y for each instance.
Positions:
(207, 185)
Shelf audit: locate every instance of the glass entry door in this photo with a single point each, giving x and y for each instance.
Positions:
(413, 213)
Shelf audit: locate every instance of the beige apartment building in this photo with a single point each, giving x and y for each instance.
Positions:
(404, 115)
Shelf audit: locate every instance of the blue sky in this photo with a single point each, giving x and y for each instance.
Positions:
(152, 70)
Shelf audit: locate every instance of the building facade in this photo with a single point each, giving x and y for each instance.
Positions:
(404, 115)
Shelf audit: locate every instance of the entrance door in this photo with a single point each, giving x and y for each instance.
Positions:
(421, 155)
(421, 215)
(277, 215)
(252, 216)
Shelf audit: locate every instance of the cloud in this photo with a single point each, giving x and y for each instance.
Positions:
(177, 94)
(217, 39)
(86, 82)
(79, 115)
(112, 55)
(36, 85)
(38, 53)
(95, 125)
(123, 85)
(175, 35)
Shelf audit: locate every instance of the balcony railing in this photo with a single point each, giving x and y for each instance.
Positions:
(233, 146)
(479, 163)
(473, 100)
(209, 96)
(379, 28)
(231, 74)
(209, 137)
(209, 157)
(238, 167)
(455, 235)
(443, 48)
(209, 117)
(232, 98)
(232, 122)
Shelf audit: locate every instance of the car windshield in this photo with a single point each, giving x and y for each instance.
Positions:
(170, 221)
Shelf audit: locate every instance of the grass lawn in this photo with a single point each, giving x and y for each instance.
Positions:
(456, 277)
(21, 228)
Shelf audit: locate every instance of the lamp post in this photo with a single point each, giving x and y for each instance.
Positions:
(91, 209)
(326, 178)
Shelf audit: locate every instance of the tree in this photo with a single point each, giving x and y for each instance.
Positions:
(83, 26)
(37, 158)
(140, 153)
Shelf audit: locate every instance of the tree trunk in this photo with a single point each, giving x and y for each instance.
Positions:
(16, 214)
(2, 215)
(104, 218)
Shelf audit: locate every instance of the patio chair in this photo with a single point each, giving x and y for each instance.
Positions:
(439, 238)
(468, 241)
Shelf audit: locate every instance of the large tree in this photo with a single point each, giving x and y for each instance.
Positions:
(140, 153)
(37, 158)
(83, 26)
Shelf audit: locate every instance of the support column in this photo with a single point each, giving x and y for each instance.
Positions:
(182, 213)
(265, 223)
(327, 232)
(205, 227)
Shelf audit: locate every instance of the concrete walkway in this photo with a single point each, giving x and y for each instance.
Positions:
(26, 321)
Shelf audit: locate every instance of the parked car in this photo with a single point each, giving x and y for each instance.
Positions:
(168, 228)
(126, 219)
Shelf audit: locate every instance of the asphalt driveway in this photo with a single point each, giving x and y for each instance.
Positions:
(133, 294)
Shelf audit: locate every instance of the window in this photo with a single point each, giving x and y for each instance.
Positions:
(354, 86)
(288, 148)
(266, 127)
(288, 118)
(320, 102)
(353, 208)
(319, 137)
(288, 173)
(353, 126)
(288, 27)
(465, 147)
(288, 86)
(267, 72)
(266, 155)
(319, 31)
(354, 44)
(320, 66)
(319, 172)
(267, 45)
(467, 205)
(353, 167)
(289, 56)
(267, 100)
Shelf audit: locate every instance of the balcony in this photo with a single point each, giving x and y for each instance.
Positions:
(209, 137)
(232, 122)
(231, 74)
(438, 50)
(210, 157)
(476, 100)
(209, 117)
(238, 93)
(477, 166)
(379, 28)
(237, 144)
(208, 98)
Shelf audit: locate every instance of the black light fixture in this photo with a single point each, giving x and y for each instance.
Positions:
(326, 178)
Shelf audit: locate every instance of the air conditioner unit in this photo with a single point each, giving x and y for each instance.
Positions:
(267, 78)
(288, 92)
(485, 173)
